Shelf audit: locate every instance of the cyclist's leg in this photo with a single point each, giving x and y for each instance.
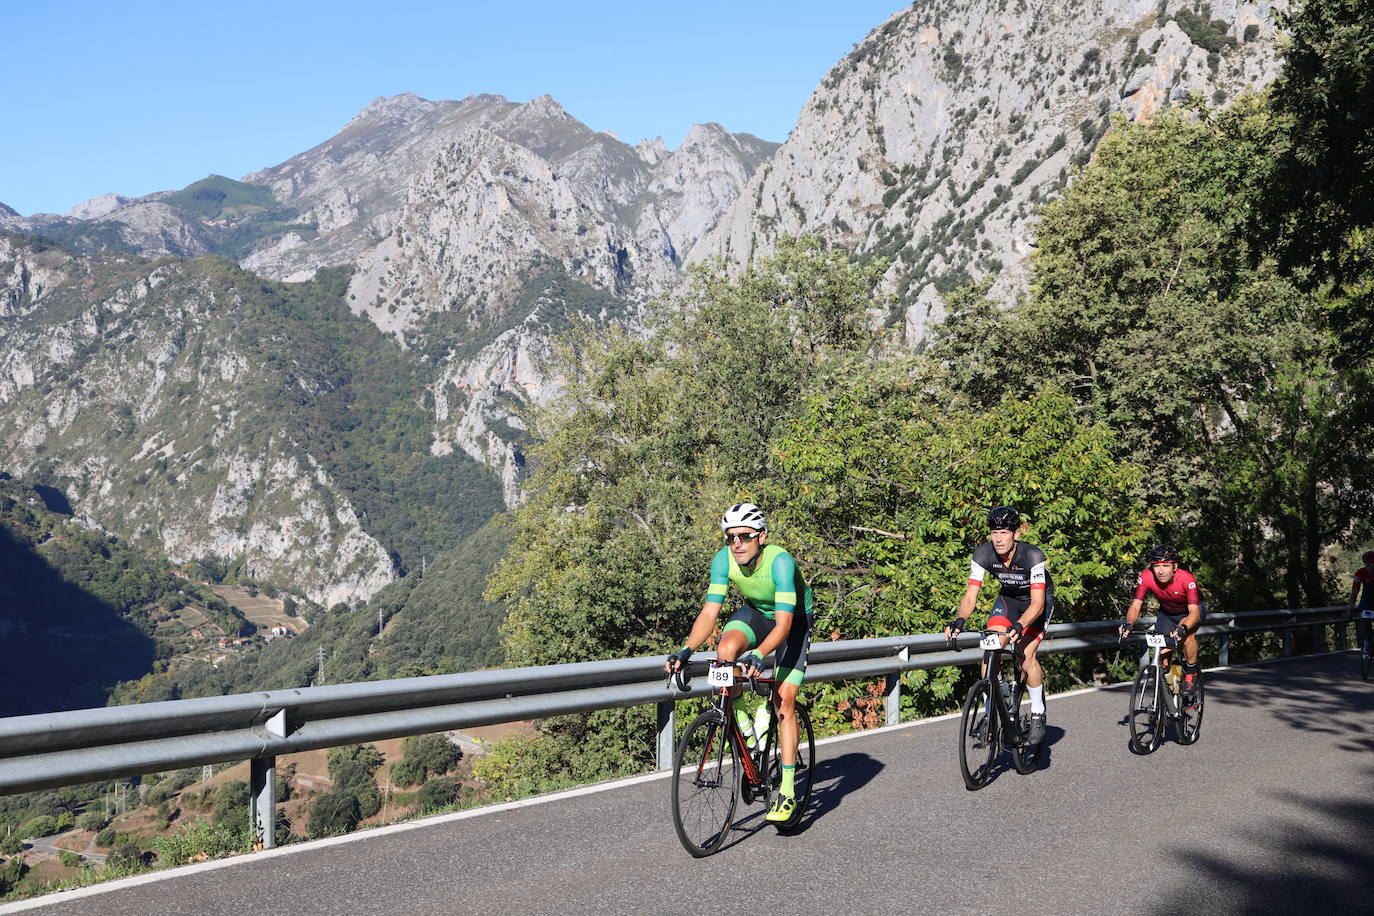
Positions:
(791, 671)
(1190, 644)
(745, 629)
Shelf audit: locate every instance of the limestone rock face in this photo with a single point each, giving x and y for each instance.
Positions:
(934, 141)
(97, 207)
(125, 384)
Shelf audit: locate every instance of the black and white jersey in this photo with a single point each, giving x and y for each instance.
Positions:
(1023, 572)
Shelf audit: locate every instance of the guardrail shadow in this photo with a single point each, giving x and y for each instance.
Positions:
(1319, 860)
(1326, 700)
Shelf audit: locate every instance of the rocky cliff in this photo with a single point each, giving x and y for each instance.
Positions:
(190, 407)
(935, 140)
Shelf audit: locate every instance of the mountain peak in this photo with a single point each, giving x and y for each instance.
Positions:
(651, 151)
(545, 105)
(404, 107)
(97, 207)
(7, 211)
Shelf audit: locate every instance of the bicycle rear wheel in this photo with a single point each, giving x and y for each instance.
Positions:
(1190, 717)
(1365, 658)
(705, 784)
(805, 776)
(1025, 757)
(1145, 717)
(977, 737)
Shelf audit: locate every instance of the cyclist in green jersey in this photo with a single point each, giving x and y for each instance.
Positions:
(774, 616)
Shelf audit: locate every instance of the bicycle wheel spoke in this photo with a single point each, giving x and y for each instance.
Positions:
(705, 784)
(977, 737)
(1145, 716)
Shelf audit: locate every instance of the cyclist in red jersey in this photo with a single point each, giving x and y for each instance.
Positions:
(1364, 579)
(1181, 609)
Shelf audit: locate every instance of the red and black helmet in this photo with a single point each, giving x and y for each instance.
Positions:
(1163, 553)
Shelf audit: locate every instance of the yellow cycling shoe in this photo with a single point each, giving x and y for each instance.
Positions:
(784, 809)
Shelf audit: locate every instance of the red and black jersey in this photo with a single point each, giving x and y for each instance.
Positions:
(1364, 580)
(1022, 572)
(1173, 598)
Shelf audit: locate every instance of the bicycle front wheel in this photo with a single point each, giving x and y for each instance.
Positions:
(1190, 717)
(1146, 719)
(1365, 659)
(977, 737)
(705, 784)
(805, 776)
(1025, 757)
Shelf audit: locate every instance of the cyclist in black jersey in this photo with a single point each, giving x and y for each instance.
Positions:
(1024, 605)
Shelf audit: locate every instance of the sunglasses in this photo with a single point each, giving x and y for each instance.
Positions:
(745, 538)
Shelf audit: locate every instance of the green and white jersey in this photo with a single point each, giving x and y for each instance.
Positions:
(774, 584)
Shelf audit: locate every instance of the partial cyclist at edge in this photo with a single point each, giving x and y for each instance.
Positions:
(1181, 608)
(775, 616)
(1362, 594)
(1024, 605)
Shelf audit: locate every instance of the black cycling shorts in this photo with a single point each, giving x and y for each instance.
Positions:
(791, 654)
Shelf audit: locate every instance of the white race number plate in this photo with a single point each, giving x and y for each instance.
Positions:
(723, 676)
(992, 641)
(1367, 615)
(1155, 640)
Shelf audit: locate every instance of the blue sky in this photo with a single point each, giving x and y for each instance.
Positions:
(134, 97)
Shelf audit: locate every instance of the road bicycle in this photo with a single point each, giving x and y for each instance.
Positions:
(1156, 700)
(714, 766)
(987, 727)
(1365, 628)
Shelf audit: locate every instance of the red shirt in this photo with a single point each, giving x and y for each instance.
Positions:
(1173, 598)
(1366, 578)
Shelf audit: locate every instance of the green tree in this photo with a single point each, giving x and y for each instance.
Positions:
(1211, 368)
(1322, 192)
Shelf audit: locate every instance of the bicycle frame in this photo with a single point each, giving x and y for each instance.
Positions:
(726, 704)
(992, 662)
(1166, 700)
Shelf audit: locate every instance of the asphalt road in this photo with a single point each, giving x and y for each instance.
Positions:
(1272, 811)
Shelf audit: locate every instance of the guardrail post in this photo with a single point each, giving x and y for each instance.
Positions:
(1287, 641)
(1317, 638)
(667, 716)
(1224, 651)
(1342, 635)
(893, 701)
(263, 798)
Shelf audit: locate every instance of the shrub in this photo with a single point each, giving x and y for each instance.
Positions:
(333, 814)
(437, 793)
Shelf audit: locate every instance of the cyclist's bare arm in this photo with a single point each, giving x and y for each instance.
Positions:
(966, 604)
(1194, 617)
(1034, 609)
(701, 629)
(1133, 612)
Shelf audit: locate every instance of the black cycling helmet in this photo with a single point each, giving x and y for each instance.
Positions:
(1003, 518)
(1367, 557)
(1163, 553)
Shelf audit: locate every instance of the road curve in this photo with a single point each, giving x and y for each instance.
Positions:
(1272, 811)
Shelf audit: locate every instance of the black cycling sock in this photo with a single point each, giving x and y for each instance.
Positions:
(1191, 667)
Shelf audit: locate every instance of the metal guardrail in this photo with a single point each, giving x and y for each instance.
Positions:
(69, 748)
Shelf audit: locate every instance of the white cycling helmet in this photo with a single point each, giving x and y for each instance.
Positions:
(743, 515)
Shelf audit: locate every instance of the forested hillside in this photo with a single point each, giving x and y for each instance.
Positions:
(80, 610)
(1191, 365)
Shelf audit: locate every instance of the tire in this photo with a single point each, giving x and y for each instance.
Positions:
(805, 777)
(705, 784)
(1365, 659)
(978, 734)
(1145, 718)
(1024, 757)
(1190, 717)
